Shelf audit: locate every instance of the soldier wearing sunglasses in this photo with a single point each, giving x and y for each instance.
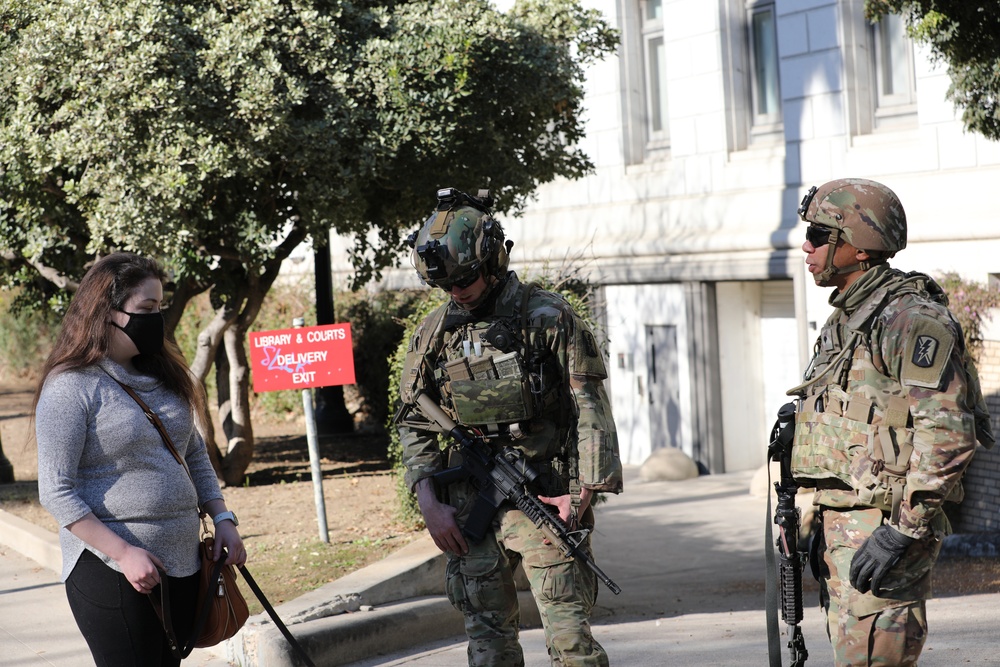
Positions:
(516, 365)
(888, 418)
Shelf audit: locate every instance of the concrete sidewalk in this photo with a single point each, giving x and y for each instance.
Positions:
(688, 556)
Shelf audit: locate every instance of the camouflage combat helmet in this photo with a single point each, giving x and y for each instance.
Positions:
(864, 213)
(459, 242)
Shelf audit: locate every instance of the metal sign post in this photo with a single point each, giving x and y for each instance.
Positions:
(302, 358)
(317, 472)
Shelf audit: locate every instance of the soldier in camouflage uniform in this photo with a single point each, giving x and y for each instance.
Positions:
(888, 419)
(515, 364)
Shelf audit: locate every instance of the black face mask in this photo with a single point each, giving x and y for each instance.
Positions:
(145, 330)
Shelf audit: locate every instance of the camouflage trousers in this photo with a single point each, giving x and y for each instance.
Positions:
(866, 630)
(481, 586)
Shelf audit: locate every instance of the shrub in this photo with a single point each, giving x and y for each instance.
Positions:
(377, 324)
(26, 336)
(970, 302)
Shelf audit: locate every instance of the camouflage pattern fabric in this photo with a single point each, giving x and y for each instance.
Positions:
(459, 234)
(869, 214)
(866, 630)
(573, 405)
(888, 432)
(552, 390)
(481, 586)
(938, 420)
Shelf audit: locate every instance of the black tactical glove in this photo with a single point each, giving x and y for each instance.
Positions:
(883, 549)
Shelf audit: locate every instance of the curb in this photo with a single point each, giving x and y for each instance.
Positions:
(387, 606)
(28, 539)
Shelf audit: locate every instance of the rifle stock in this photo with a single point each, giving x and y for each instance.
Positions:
(500, 477)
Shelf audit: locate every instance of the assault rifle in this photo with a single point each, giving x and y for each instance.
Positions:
(786, 517)
(500, 477)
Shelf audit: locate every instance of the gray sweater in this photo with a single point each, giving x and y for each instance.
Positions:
(98, 453)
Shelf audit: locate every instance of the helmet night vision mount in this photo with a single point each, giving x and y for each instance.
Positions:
(460, 241)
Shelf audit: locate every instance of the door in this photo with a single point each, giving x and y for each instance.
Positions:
(663, 381)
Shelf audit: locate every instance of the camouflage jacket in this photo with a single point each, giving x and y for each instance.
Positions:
(549, 401)
(892, 404)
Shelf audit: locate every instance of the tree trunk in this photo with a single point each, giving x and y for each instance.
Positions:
(205, 356)
(239, 430)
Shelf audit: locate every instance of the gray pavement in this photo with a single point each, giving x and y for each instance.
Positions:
(688, 556)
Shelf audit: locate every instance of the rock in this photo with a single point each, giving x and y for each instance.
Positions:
(759, 488)
(668, 464)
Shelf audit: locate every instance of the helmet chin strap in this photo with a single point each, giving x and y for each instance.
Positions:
(829, 271)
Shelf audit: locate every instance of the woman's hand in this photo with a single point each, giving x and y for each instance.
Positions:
(141, 568)
(228, 537)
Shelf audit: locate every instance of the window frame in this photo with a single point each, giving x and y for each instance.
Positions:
(896, 108)
(655, 96)
(768, 122)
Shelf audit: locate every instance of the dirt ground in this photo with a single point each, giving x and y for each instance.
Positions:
(277, 507)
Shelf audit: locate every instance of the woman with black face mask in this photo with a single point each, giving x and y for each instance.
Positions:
(128, 512)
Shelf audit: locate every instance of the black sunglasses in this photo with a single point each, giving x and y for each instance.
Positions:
(460, 283)
(818, 236)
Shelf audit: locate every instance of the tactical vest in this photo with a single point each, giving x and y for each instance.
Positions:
(496, 376)
(853, 425)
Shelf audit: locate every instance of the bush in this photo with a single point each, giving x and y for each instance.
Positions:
(970, 302)
(26, 336)
(377, 324)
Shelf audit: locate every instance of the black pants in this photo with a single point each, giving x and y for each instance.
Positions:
(119, 623)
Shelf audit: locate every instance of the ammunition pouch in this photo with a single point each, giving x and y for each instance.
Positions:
(850, 439)
(495, 401)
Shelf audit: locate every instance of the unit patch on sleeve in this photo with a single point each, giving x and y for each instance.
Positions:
(924, 351)
(928, 348)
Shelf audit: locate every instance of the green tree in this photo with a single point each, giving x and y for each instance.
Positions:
(966, 37)
(219, 135)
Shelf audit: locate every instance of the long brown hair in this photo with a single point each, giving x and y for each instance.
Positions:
(86, 335)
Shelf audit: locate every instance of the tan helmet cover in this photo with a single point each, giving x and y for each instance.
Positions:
(869, 215)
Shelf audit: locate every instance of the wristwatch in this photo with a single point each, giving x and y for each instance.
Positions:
(223, 516)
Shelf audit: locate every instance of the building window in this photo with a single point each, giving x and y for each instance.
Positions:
(750, 66)
(895, 88)
(655, 64)
(764, 89)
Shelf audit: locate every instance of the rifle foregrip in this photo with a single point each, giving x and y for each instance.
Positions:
(790, 591)
(550, 524)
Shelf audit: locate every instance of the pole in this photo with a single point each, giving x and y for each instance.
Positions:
(331, 412)
(6, 468)
(317, 473)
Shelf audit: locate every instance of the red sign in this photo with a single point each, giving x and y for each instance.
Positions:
(301, 358)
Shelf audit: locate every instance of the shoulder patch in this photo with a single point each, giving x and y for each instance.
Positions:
(928, 348)
(587, 357)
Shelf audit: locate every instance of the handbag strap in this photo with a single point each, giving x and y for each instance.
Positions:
(200, 620)
(155, 421)
(203, 614)
(274, 616)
